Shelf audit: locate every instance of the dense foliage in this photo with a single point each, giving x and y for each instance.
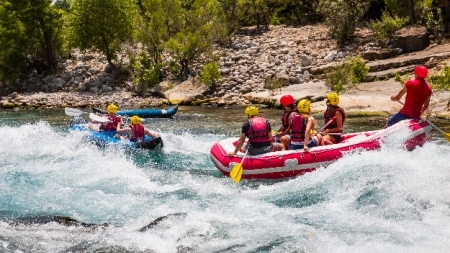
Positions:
(102, 24)
(29, 37)
(441, 81)
(169, 37)
(346, 75)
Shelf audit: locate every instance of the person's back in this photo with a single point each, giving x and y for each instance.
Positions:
(135, 131)
(418, 93)
(258, 131)
(418, 90)
(138, 132)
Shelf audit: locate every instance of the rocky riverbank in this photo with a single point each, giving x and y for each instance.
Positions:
(297, 56)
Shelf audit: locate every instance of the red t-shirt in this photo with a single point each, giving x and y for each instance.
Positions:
(418, 90)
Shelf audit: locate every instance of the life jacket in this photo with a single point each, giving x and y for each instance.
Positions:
(112, 125)
(258, 131)
(298, 128)
(329, 113)
(138, 132)
(285, 119)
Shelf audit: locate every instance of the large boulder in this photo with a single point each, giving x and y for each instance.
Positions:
(411, 38)
(186, 91)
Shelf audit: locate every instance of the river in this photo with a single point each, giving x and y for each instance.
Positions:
(174, 200)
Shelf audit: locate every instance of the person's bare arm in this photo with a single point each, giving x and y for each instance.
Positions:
(150, 133)
(122, 130)
(309, 126)
(425, 105)
(239, 145)
(399, 94)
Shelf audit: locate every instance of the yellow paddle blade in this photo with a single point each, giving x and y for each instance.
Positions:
(236, 172)
(447, 136)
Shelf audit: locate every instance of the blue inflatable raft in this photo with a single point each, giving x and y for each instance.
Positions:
(107, 137)
(144, 113)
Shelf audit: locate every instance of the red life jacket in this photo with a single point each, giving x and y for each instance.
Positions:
(138, 132)
(298, 128)
(112, 125)
(329, 113)
(285, 119)
(258, 131)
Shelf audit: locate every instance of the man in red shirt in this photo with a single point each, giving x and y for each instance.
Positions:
(418, 94)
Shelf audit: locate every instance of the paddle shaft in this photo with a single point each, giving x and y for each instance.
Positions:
(435, 127)
(329, 122)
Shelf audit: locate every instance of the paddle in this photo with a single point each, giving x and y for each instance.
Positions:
(446, 135)
(329, 122)
(236, 172)
(73, 112)
(97, 118)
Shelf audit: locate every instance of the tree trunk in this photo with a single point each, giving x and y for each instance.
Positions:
(413, 12)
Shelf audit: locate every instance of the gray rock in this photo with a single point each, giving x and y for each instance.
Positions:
(341, 55)
(305, 60)
(94, 89)
(48, 79)
(331, 56)
(228, 63)
(14, 95)
(106, 88)
(36, 79)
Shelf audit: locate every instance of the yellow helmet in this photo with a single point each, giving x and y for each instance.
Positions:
(135, 120)
(112, 108)
(251, 111)
(332, 98)
(304, 106)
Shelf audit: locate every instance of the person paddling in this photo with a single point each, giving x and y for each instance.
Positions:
(111, 116)
(258, 131)
(418, 94)
(302, 128)
(135, 131)
(334, 117)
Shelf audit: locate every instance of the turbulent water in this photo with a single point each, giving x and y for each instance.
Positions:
(61, 194)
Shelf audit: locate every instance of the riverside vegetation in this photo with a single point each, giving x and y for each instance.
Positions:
(147, 42)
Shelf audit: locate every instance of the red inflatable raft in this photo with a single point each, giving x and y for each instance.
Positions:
(291, 163)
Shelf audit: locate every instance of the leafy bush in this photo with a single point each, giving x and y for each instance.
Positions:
(436, 26)
(385, 28)
(343, 16)
(358, 69)
(210, 74)
(272, 84)
(144, 73)
(342, 77)
(441, 81)
(400, 79)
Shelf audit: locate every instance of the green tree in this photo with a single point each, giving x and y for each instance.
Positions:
(295, 12)
(211, 75)
(253, 12)
(229, 15)
(29, 37)
(407, 8)
(158, 20)
(102, 24)
(343, 16)
(201, 27)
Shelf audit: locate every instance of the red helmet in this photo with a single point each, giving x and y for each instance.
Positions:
(421, 71)
(286, 100)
